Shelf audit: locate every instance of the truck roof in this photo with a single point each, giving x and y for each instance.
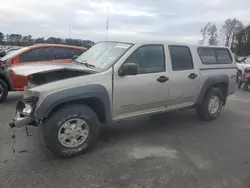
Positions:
(167, 42)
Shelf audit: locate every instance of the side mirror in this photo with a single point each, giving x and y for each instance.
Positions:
(75, 56)
(128, 69)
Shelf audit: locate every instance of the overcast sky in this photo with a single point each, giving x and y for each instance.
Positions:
(175, 20)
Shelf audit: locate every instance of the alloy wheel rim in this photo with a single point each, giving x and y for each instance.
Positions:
(214, 104)
(73, 132)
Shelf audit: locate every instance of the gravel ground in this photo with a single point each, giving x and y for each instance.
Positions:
(174, 150)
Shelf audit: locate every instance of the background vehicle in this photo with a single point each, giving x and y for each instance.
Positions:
(116, 81)
(28, 55)
(245, 79)
(8, 50)
(242, 66)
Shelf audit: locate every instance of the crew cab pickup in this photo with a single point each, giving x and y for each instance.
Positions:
(117, 80)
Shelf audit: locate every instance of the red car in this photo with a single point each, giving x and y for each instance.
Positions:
(32, 54)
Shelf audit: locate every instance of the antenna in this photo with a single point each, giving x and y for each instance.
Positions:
(107, 24)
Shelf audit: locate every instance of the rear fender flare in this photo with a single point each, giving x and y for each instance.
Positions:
(209, 83)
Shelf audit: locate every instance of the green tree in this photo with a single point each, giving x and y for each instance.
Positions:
(1, 37)
(39, 40)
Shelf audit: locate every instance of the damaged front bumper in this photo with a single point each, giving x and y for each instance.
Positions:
(21, 121)
(24, 113)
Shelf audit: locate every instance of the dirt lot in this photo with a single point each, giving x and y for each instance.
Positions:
(174, 150)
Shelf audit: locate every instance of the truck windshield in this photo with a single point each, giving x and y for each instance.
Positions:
(103, 54)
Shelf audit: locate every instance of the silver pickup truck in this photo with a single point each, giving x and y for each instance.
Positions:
(117, 80)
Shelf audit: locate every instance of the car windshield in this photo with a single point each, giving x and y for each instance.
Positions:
(13, 53)
(103, 54)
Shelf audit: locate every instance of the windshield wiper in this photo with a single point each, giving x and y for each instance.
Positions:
(85, 63)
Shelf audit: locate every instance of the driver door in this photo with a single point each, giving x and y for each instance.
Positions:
(146, 92)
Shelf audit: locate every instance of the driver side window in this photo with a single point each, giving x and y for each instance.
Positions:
(149, 59)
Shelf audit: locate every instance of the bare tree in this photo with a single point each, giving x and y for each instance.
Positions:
(204, 33)
(213, 35)
(229, 29)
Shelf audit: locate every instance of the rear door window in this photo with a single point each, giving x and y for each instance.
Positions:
(181, 58)
(207, 55)
(37, 54)
(63, 53)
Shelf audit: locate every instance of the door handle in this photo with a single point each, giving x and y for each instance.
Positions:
(162, 79)
(192, 76)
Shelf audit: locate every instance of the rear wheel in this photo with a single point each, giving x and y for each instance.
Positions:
(3, 90)
(211, 106)
(71, 130)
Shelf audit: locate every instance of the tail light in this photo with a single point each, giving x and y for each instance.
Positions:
(248, 76)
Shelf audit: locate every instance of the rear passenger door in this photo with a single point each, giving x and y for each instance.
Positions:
(184, 77)
(63, 55)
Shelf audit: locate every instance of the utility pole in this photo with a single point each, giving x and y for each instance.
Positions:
(69, 30)
(107, 24)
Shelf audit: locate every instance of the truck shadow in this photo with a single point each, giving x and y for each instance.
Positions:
(165, 122)
(149, 127)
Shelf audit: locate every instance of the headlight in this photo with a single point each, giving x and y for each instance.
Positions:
(26, 106)
(28, 109)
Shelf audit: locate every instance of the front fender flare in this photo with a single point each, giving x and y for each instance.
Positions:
(52, 100)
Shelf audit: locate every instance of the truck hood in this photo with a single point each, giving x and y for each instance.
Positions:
(30, 69)
(43, 73)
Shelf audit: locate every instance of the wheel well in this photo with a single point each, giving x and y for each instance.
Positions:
(94, 103)
(224, 89)
(6, 81)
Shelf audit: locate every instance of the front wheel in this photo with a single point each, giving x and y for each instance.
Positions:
(211, 106)
(3, 90)
(71, 130)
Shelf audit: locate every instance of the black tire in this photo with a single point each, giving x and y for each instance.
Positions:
(52, 125)
(4, 91)
(203, 111)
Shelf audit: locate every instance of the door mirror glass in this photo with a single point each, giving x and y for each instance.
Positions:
(128, 69)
